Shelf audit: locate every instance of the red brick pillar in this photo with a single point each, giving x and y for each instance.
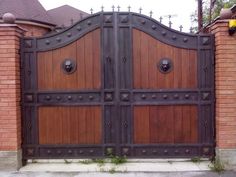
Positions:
(225, 84)
(10, 110)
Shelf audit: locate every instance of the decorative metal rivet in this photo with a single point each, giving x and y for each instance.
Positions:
(58, 39)
(144, 151)
(166, 151)
(81, 152)
(124, 19)
(108, 97)
(108, 19)
(185, 39)
(91, 151)
(125, 97)
(48, 151)
(79, 28)
(176, 151)
(154, 96)
(81, 97)
(187, 96)
(30, 152)
(154, 27)
(163, 33)
(206, 150)
(176, 96)
(154, 151)
(205, 96)
(58, 98)
(91, 97)
(187, 151)
(48, 97)
(143, 96)
(125, 150)
(28, 43)
(68, 66)
(47, 42)
(165, 65)
(205, 40)
(165, 96)
(174, 37)
(58, 152)
(69, 34)
(69, 97)
(143, 22)
(29, 98)
(89, 22)
(69, 151)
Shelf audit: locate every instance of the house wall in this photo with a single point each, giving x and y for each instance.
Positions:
(225, 90)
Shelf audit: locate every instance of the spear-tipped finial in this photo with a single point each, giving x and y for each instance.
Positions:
(118, 7)
(181, 28)
(161, 19)
(170, 23)
(191, 29)
(151, 14)
(113, 8)
(91, 10)
(140, 10)
(129, 8)
(102, 8)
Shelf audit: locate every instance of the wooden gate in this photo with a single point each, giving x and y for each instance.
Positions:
(118, 82)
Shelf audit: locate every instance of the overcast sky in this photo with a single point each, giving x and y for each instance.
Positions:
(180, 8)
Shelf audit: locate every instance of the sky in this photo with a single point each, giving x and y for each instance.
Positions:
(179, 9)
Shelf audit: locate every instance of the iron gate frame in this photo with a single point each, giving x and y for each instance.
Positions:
(119, 98)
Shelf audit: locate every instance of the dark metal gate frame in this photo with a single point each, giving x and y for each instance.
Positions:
(117, 97)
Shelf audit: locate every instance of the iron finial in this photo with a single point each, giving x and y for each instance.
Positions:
(140, 10)
(151, 14)
(191, 29)
(91, 10)
(113, 8)
(102, 8)
(129, 8)
(118, 7)
(161, 19)
(170, 23)
(181, 28)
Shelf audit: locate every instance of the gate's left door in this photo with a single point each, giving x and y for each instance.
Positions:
(61, 91)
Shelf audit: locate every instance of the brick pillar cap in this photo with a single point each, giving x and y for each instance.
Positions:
(20, 29)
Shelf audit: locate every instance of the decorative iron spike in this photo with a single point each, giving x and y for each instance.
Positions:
(118, 8)
(102, 8)
(151, 14)
(140, 10)
(113, 8)
(181, 28)
(91, 10)
(129, 8)
(170, 23)
(161, 19)
(191, 29)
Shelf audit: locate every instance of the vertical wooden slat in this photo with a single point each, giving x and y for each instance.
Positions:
(194, 124)
(152, 63)
(97, 125)
(178, 128)
(144, 61)
(88, 61)
(136, 58)
(154, 114)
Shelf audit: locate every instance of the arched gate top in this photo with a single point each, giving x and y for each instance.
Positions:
(119, 19)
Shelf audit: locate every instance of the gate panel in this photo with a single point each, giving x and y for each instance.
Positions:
(147, 54)
(86, 52)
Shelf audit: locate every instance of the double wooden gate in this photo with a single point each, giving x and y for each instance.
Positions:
(120, 83)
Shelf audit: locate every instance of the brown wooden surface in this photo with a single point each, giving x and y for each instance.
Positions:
(165, 124)
(147, 53)
(70, 125)
(86, 52)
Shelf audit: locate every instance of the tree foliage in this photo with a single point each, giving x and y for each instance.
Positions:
(219, 4)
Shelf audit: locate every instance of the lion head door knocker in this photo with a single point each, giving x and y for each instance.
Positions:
(68, 66)
(165, 65)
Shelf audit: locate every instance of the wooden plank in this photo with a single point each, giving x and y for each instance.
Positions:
(193, 69)
(194, 124)
(152, 63)
(177, 64)
(141, 125)
(178, 121)
(96, 59)
(186, 124)
(82, 125)
(144, 61)
(97, 125)
(154, 114)
(136, 59)
(88, 61)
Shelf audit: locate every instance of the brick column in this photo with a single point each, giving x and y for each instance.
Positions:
(10, 114)
(225, 80)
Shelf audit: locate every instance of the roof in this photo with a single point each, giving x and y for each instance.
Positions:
(30, 10)
(65, 15)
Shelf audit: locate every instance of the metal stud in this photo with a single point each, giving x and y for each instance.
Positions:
(79, 28)
(144, 151)
(165, 96)
(176, 96)
(154, 96)
(58, 39)
(125, 97)
(109, 97)
(185, 39)
(47, 42)
(163, 33)
(69, 97)
(129, 8)
(154, 151)
(205, 96)
(176, 151)
(81, 97)
(91, 151)
(151, 13)
(48, 97)
(91, 10)
(58, 98)
(69, 151)
(143, 96)
(174, 37)
(118, 7)
(102, 8)
(28, 43)
(81, 151)
(154, 27)
(143, 22)
(187, 96)
(58, 152)
(29, 98)
(91, 97)
(69, 34)
(205, 40)
(89, 22)
(30, 152)
(187, 151)
(49, 151)
(166, 151)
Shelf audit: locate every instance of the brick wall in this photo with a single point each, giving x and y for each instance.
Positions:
(10, 118)
(35, 31)
(225, 79)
